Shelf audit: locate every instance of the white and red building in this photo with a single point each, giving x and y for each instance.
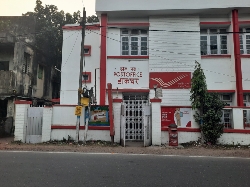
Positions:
(140, 44)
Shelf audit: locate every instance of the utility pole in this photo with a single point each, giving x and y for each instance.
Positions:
(82, 23)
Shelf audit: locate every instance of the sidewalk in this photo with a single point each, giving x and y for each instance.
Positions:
(105, 147)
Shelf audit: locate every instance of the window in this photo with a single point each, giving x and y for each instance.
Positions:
(26, 63)
(213, 41)
(86, 77)
(4, 66)
(40, 72)
(246, 113)
(87, 50)
(245, 40)
(226, 118)
(134, 42)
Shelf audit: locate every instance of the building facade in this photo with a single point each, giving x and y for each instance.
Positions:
(25, 74)
(139, 49)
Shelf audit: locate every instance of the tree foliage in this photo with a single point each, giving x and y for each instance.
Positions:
(208, 107)
(92, 19)
(49, 22)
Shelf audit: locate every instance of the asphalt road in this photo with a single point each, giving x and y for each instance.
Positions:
(42, 169)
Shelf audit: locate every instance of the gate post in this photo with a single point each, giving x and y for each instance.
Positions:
(47, 121)
(117, 103)
(21, 119)
(156, 121)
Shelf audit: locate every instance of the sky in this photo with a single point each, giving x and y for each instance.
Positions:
(17, 7)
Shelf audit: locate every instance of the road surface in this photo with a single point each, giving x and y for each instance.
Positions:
(40, 169)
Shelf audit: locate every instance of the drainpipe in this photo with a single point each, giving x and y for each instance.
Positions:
(238, 72)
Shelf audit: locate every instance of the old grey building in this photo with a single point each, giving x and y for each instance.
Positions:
(25, 71)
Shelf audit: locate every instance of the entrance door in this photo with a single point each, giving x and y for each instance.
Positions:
(133, 118)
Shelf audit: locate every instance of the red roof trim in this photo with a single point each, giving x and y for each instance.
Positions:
(222, 91)
(117, 100)
(215, 56)
(23, 102)
(245, 56)
(215, 23)
(129, 24)
(128, 57)
(88, 27)
(155, 100)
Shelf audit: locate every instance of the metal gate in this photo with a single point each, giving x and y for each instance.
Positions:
(34, 125)
(135, 120)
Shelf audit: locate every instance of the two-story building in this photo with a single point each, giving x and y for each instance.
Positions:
(140, 46)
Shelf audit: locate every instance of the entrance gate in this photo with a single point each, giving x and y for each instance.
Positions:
(34, 125)
(135, 119)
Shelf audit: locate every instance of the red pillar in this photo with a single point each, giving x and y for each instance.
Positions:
(103, 59)
(238, 71)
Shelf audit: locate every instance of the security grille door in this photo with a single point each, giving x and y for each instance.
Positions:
(134, 116)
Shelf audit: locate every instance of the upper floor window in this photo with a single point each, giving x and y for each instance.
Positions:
(134, 42)
(245, 40)
(213, 41)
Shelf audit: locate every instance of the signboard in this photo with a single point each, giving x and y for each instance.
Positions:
(99, 115)
(128, 74)
(170, 80)
(173, 115)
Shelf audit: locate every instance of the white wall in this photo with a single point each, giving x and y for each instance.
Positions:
(220, 73)
(113, 42)
(120, 5)
(71, 63)
(245, 73)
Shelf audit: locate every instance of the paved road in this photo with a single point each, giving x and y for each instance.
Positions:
(40, 169)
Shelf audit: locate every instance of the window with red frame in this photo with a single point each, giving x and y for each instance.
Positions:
(86, 77)
(87, 50)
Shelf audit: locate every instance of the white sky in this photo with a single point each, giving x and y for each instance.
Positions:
(17, 7)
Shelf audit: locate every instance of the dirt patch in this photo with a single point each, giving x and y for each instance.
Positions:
(188, 149)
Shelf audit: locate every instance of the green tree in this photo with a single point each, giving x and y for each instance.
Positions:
(49, 34)
(208, 107)
(92, 19)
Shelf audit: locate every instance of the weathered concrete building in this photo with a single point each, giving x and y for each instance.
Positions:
(25, 73)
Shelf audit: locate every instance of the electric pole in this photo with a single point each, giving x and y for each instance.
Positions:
(82, 23)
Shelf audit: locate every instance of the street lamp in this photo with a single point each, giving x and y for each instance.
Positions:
(155, 87)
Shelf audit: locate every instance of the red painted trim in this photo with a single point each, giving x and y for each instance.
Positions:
(128, 57)
(215, 23)
(58, 105)
(155, 100)
(117, 100)
(244, 56)
(237, 57)
(215, 56)
(89, 27)
(81, 127)
(131, 90)
(89, 48)
(103, 59)
(243, 131)
(176, 106)
(130, 24)
(221, 91)
(23, 102)
(183, 129)
(111, 115)
(246, 91)
(93, 27)
(244, 22)
(244, 107)
(89, 77)
(55, 100)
